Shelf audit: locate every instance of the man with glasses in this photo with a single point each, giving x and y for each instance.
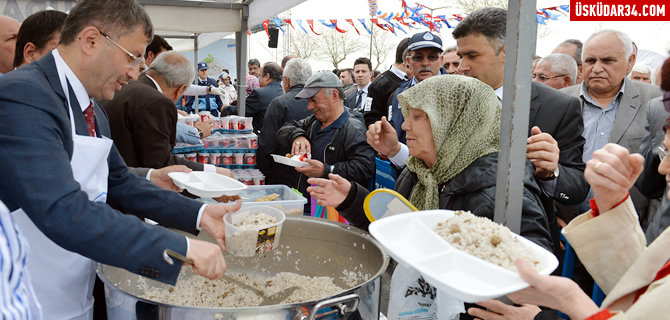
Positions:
(59, 169)
(425, 61)
(557, 70)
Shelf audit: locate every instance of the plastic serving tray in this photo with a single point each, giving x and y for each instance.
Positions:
(409, 238)
(207, 184)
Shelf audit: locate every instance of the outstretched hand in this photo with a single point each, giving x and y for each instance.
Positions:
(329, 192)
(160, 177)
(554, 292)
(383, 138)
(212, 221)
(611, 173)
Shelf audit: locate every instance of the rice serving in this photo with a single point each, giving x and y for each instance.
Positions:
(255, 234)
(196, 291)
(257, 220)
(485, 239)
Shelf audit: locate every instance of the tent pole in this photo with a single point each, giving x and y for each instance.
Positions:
(520, 46)
(241, 47)
(196, 100)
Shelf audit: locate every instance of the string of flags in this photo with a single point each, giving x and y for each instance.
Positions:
(403, 21)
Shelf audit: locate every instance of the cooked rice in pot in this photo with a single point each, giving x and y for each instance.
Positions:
(485, 239)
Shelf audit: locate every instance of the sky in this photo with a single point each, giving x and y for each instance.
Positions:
(651, 36)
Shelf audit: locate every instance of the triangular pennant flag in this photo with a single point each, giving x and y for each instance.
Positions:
(310, 23)
(375, 21)
(266, 24)
(551, 16)
(399, 27)
(277, 22)
(565, 8)
(248, 33)
(458, 17)
(540, 19)
(351, 22)
(289, 23)
(299, 21)
(323, 22)
(334, 22)
(542, 14)
(362, 21)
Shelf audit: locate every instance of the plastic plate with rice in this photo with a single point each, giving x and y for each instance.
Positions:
(288, 161)
(411, 240)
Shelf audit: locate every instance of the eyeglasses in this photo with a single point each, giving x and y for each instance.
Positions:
(134, 58)
(662, 153)
(544, 78)
(431, 57)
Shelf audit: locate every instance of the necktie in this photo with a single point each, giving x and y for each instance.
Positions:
(89, 114)
(358, 100)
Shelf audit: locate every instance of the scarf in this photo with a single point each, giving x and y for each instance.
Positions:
(464, 117)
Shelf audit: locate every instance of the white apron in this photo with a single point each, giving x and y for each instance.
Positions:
(63, 280)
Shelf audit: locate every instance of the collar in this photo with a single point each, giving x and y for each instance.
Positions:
(365, 89)
(65, 73)
(413, 83)
(398, 72)
(499, 93)
(158, 87)
(584, 93)
(338, 124)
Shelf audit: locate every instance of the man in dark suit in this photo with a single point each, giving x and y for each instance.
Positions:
(281, 110)
(357, 100)
(613, 106)
(143, 119)
(259, 99)
(383, 87)
(209, 102)
(58, 170)
(555, 126)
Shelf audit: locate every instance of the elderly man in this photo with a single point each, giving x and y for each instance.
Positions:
(557, 70)
(259, 99)
(60, 202)
(381, 90)
(335, 139)
(451, 60)
(357, 97)
(9, 29)
(281, 110)
(573, 48)
(254, 67)
(613, 107)
(640, 73)
(143, 119)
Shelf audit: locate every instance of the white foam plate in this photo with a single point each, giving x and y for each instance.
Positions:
(409, 238)
(289, 161)
(207, 184)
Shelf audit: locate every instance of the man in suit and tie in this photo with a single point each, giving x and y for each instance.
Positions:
(259, 99)
(59, 169)
(613, 106)
(209, 102)
(358, 100)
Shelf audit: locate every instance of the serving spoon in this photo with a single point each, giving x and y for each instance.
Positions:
(267, 300)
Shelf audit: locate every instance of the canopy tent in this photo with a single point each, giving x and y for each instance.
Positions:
(208, 21)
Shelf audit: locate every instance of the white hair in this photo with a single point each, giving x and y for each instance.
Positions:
(561, 63)
(175, 69)
(298, 70)
(624, 38)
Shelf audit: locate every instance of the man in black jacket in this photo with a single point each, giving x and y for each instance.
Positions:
(281, 110)
(335, 139)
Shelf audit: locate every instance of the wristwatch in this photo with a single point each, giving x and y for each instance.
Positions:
(332, 167)
(199, 132)
(552, 176)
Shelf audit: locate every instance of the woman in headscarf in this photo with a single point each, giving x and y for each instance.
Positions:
(453, 131)
(252, 83)
(230, 94)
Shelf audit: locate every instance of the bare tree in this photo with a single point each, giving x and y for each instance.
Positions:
(335, 46)
(383, 45)
(304, 45)
(472, 5)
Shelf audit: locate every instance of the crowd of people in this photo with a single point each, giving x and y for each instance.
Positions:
(89, 102)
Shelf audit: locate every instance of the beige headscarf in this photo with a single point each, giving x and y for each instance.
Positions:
(464, 116)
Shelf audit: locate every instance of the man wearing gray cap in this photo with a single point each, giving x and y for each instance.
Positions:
(335, 140)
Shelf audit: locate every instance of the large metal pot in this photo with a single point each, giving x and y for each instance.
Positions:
(317, 247)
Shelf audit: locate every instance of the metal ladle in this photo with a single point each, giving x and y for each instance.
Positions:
(267, 300)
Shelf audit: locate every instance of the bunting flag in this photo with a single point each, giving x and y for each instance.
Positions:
(299, 21)
(265, 25)
(334, 22)
(376, 22)
(362, 21)
(289, 23)
(310, 23)
(248, 33)
(277, 22)
(351, 22)
(550, 15)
